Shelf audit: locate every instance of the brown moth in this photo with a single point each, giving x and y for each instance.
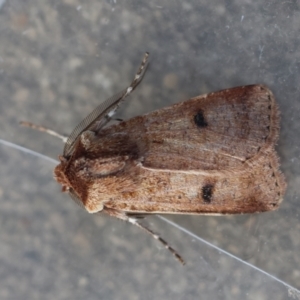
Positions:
(212, 154)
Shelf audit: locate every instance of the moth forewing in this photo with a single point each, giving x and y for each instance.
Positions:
(212, 154)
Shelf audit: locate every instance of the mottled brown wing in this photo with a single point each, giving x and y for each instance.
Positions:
(258, 187)
(211, 154)
(217, 131)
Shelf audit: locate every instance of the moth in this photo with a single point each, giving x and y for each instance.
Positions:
(212, 154)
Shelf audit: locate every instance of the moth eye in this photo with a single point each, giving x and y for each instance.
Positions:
(199, 119)
(207, 192)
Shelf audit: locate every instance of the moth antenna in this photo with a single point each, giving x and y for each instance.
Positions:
(157, 237)
(44, 129)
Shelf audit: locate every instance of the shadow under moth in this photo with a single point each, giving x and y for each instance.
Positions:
(212, 154)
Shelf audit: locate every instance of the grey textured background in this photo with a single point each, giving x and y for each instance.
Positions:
(58, 60)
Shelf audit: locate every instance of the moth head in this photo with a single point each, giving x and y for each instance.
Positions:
(60, 176)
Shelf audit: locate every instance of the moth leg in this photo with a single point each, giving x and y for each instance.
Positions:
(122, 216)
(138, 75)
(135, 82)
(44, 129)
(118, 120)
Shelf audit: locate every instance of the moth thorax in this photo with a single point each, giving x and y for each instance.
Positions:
(87, 138)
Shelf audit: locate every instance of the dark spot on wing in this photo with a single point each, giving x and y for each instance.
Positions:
(200, 120)
(207, 192)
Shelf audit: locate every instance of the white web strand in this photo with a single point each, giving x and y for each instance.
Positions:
(26, 150)
(293, 292)
(290, 288)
